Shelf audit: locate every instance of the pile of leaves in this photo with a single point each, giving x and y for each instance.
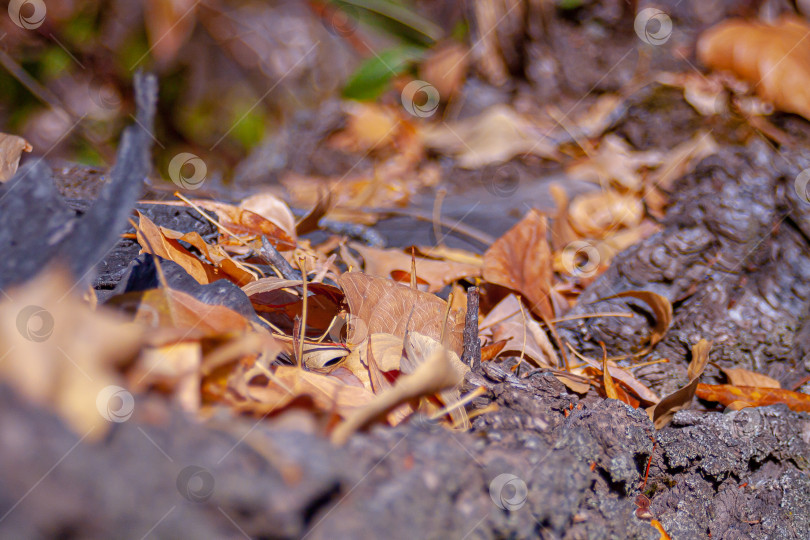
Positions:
(263, 321)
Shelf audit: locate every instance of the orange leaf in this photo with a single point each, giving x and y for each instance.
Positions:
(610, 387)
(726, 394)
(773, 57)
(521, 260)
(153, 240)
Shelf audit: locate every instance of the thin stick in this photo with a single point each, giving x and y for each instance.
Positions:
(302, 263)
(523, 316)
(480, 391)
(209, 218)
(472, 344)
(562, 319)
(414, 284)
(651, 362)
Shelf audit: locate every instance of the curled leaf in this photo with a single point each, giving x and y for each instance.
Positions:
(660, 306)
(662, 413)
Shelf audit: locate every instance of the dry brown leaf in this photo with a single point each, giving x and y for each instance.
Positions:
(505, 323)
(431, 376)
(521, 260)
(445, 67)
(437, 274)
(60, 353)
(744, 377)
(329, 394)
(775, 58)
(369, 126)
(168, 310)
(153, 240)
(451, 255)
(175, 366)
(626, 378)
(387, 351)
(272, 209)
(495, 136)
(379, 305)
(600, 213)
(610, 387)
(664, 410)
(168, 26)
(615, 162)
(681, 159)
(705, 93)
(215, 254)
(660, 306)
(11, 148)
(241, 221)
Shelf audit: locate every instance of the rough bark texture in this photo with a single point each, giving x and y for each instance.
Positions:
(733, 259)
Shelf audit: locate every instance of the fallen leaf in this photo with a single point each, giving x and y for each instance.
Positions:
(681, 159)
(437, 274)
(175, 366)
(625, 378)
(153, 240)
(11, 148)
(600, 213)
(61, 354)
(168, 25)
(379, 305)
(228, 267)
(504, 323)
(521, 260)
(272, 209)
(661, 414)
(753, 396)
(661, 309)
(387, 351)
(495, 136)
(610, 388)
(445, 67)
(243, 221)
(744, 377)
(615, 162)
(431, 376)
(775, 58)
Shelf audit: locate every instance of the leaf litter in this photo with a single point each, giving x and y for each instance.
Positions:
(357, 334)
